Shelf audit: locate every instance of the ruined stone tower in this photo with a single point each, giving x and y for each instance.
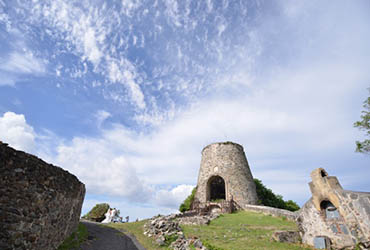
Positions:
(225, 175)
(334, 218)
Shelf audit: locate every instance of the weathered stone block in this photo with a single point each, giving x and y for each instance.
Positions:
(286, 236)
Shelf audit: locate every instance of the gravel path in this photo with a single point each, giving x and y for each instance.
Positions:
(106, 238)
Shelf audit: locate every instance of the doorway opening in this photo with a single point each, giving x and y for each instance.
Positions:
(216, 188)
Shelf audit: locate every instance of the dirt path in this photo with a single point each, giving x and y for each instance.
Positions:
(106, 238)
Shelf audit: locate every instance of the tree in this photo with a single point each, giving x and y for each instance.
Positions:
(267, 198)
(185, 206)
(364, 124)
(97, 213)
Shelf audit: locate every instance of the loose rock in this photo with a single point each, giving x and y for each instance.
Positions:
(286, 236)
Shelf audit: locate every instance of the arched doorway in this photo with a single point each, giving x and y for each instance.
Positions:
(329, 210)
(216, 188)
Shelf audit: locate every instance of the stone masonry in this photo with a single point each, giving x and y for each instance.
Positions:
(334, 218)
(40, 204)
(224, 174)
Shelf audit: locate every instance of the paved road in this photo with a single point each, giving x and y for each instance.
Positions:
(106, 238)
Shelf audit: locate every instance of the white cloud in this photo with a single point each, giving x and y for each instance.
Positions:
(286, 117)
(172, 198)
(15, 131)
(83, 30)
(102, 168)
(18, 64)
(129, 6)
(101, 116)
(283, 90)
(124, 72)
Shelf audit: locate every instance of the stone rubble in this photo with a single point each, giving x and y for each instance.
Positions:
(197, 219)
(287, 236)
(162, 228)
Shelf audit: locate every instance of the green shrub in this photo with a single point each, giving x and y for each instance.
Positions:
(267, 198)
(185, 206)
(291, 205)
(170, 238)
(97, 212)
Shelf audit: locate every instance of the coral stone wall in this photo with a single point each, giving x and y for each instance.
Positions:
(40, 204)
(350, 225)
(227, 160)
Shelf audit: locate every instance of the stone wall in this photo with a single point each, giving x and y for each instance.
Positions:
(276, 212)
(40, 204)
(228, 161)
(345, 223)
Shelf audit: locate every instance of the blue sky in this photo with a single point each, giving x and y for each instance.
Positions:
(125, 94)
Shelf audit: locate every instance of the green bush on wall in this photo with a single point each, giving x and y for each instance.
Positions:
(267, 198)
(185, 206)
(97, 212)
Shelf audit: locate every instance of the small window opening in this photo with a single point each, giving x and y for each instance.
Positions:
(330, 211)
(323, 173)
(321, 242)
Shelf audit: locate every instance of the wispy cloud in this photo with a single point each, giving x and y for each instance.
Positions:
(101, 116)
(19, 64)
(22, 63)
(281, 79)
(289, 117)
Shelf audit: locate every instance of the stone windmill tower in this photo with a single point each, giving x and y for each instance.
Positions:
(225, 175)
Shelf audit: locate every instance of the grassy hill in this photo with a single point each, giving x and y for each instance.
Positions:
(237, 231)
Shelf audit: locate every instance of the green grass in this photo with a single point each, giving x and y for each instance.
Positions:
(242, 230)
(137, 229)
(75, 239)
(237, 231)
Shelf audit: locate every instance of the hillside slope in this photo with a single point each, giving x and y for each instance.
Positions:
(237, 231)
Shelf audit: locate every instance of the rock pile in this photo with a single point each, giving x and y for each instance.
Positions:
(286, 236)
(166, 230)
(162, 229)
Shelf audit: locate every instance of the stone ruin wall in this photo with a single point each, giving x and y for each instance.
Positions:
(40, 204)
(353, 223)
(228, 161)
(276, 212)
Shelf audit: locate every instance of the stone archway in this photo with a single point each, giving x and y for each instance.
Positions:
(216, 188)
(329, 210)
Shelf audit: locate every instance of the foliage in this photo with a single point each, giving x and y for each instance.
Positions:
(364, 124)
(170, 238)
(185, 206)
(75, 239)
(242, 230)
(97, 212)
(267, 198)
(291, 206)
